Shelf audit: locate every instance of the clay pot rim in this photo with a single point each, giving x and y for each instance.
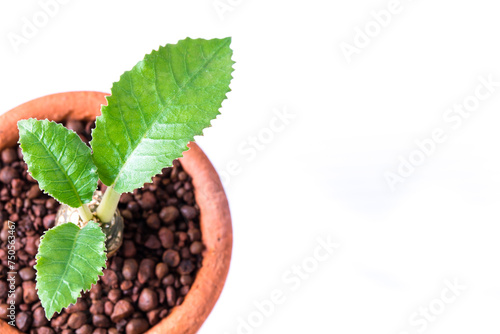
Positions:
(215, 219)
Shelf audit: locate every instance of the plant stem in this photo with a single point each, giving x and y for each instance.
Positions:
(85, 213)
(107, 208)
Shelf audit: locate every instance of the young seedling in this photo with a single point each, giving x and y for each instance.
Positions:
(154, 110)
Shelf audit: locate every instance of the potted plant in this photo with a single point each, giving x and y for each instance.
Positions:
(153, 112)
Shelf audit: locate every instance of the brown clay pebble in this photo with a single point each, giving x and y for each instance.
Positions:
(148, 201)
(153, 221)
(169, 214)
(171, 257)
(152, 242)
(39, 318)
(185, 267)
(9, 155)
(182, 236)
(161, 270)
(59, 321)
(126, 197)
(148, 300)
(108, 308)
(196, 248)
(194, 234)
(7, 174)
(36, 305)
(128, 248)
(109, 278)
(116, 263)
(4, 289)
(39, 210)
(170, 294)
(77, 320)
(183, 176)
(135, 293)
(146, 270)
(130, 268)
(137, 326)
(188, 212)
(27, 274)
(125, 285)
(4, 234)
(32, 243)
(45, 330)
(166, 237)
(154, 316)
(80, 306)
(100, 320)
(133, 206)
(96, 292)
(114, 295)
(168, 280)
(4, 311)
(97, 307)
(85, 329)
(48, 221)
(186, 280)
(29, 292)
(163, 313)
(185, 253)
(127, 214)
(76, 126)
(184, 290)
(122, 310)
(51, 204)
(23, 321)
(34, 192)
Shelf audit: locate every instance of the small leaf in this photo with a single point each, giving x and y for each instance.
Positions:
(69, 260)
(157, 108)
(59, 160)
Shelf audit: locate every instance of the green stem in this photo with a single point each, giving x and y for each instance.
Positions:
(109, 203)
(85, 213)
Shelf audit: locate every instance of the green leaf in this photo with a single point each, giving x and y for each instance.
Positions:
(157, 108)
(69, 260)
(59, 160)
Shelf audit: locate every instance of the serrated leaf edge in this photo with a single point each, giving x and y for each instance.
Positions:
(93, 225)
(200, 133)
(82, 202)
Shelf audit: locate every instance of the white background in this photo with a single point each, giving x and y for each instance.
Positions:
(324, 174)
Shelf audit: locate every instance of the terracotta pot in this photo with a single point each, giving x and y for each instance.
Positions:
(215, 218)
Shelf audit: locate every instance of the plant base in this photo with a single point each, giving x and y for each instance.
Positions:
(113, 229)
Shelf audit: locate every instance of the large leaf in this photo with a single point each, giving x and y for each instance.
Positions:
(59, 160)
(158, 107)
(69, 260)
